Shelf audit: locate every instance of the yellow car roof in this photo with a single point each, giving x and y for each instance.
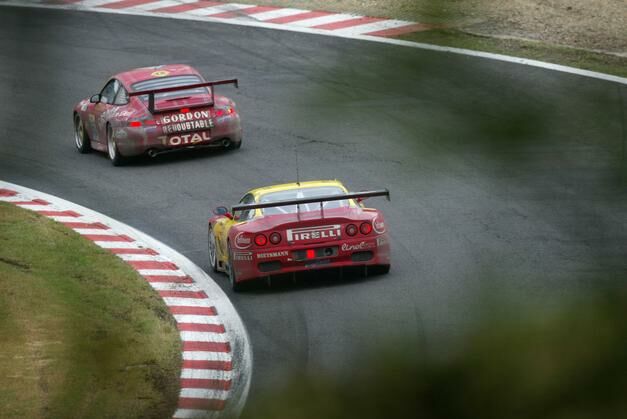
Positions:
(294, 185)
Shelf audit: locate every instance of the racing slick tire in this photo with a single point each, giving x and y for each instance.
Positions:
(235, 146)
(236, 286)
(81, 140)
(213, 250)
(112, 149)
(379, 269)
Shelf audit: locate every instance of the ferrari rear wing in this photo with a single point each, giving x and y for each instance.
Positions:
(320, 199)
(151, 93)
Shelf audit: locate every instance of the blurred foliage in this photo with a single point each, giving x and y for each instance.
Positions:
(570, 363)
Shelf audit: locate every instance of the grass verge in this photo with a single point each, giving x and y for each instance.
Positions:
(572, 57)
(82, 335)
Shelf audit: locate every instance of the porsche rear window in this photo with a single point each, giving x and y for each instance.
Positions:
(174, 81)
(303, 193)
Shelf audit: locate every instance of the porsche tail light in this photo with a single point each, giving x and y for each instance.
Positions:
(365, 228)
(135, 124)
(223, 111)
(275, 238)
(351, 229)
(261, 240)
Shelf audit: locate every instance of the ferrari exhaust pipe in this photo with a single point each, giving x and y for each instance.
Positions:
(226, 142)
(152, 153)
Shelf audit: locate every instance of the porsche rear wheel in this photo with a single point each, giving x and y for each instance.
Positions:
(232, 278)
(112, 149)
(213, 251)
(80, 137)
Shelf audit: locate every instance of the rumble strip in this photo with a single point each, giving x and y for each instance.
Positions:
(216, 358)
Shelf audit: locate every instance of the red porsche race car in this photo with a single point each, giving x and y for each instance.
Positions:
(156, 110)
(296, 227)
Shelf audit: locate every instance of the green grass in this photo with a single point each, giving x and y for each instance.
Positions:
(572, 57)
(81, 334)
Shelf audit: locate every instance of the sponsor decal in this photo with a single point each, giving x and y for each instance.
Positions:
(189, 138)
(378, 226)
(160, 73)
(84, 107)
(183, 117)
(187, 126)
(242, 242)
(314, 233)
(247, 256)
(381, 241)
(269, 255)
(356, 247)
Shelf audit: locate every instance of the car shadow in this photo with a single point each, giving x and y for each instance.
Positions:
(307, 280)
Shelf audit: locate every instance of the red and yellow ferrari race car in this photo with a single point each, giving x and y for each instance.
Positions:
(155, 110)
(296, 227)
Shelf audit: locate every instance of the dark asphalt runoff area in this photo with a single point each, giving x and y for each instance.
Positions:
(507, 181)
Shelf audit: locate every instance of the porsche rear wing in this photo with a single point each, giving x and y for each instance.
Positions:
(151, 93)
(320, 199)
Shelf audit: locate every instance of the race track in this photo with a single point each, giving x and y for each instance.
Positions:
(505, 179)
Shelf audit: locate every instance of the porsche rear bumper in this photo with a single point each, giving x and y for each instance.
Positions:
(151, 140)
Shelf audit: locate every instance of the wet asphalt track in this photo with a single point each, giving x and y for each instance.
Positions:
(506, 180)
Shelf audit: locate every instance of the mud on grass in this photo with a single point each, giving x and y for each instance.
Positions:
(79, 329)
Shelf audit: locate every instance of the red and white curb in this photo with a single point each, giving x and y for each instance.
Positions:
(339, 23)
(234, 13)
(217, 358)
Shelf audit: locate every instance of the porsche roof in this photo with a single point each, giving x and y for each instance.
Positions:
(128, 78)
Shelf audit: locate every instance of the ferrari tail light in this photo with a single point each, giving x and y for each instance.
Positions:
(310, 254)
(365, 228)
(261, 240)
(351, 229)
(135, 124)
(184, 110)
(275, 238)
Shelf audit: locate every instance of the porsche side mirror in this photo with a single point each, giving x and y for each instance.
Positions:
(95, 99)
(220, 211)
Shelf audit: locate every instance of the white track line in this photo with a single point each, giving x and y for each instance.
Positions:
(155, 5)
(275, 14)
(371, 27)
(186, 302)
(197, 319)
(199, 374)
(119, 245)
(160, 272)
(207, 356)
(142, 258)
(204, 393)
(204, 337)
(213, 10)
(174, 286)
(323, 20)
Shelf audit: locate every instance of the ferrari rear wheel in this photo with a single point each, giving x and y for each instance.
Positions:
(213, 251)
(112, 149)
(80, 137)
(232, 278)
